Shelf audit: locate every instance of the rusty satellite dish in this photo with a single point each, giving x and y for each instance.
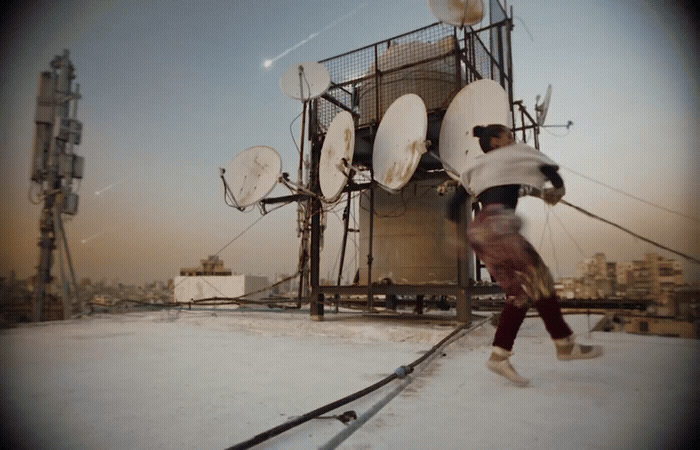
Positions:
(306, 80)
(459, 13)
(400, 142)
(252, 174)
(336, 156)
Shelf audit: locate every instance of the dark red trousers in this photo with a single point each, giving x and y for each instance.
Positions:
(515, 264)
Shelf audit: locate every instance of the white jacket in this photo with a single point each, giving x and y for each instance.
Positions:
(513, 164)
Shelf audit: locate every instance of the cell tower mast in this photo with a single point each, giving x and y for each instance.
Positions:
(53, 168)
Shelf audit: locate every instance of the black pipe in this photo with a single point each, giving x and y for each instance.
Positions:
(403, 371)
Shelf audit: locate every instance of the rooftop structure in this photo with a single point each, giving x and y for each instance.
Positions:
(210, 266)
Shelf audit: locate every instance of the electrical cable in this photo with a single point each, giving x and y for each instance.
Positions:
(526, 29)
(248, 228)
(630, 195)
(544, 228)
(228, 195)
(581, 210)
(568, 234)
(400, 372)
(216, 301)
(291, 132)
(213, 287)
(551, 242)
(239, 235)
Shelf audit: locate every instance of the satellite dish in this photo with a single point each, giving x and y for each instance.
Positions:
(338, 145)
(541, 109)
(459, 13)
(252, 174)
(400, 142)
(306, 80)
(481, 102)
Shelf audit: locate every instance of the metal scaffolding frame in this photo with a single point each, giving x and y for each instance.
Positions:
(435, 61)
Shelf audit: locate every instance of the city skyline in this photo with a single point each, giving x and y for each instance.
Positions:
(172, 92)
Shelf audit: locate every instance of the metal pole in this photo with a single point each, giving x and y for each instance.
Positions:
(65, 297)
(465, 264)
(303, 256)
(346, 224)
(316, 303)
(370, 296)
(70, 268)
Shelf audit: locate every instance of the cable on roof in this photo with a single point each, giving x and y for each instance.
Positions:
(400, 372)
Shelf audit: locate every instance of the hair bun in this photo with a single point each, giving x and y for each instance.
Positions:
(478, 131)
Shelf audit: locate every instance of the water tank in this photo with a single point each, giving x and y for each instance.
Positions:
(410, 235)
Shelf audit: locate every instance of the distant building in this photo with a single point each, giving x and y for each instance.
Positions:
(662, 326)
(213, 281)
(654, 277)
(211, 266)
(199, 287)
(595, 280)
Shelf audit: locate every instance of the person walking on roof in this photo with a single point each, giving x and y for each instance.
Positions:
(495, 179)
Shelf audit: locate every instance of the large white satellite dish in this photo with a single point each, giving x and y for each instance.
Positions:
(542, 108)
(306, 80)
(459, 13)
(252, 174)
(400, 142)
(339, 145)
(482, 102)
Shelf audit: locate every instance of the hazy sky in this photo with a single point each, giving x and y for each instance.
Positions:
(172, 90)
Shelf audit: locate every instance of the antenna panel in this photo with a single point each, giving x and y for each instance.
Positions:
(338, 144)
(458, 13)
(481, 102)
(252, 174)
(306, 80)
(400, 142)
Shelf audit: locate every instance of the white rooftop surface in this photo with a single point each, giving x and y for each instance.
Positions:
(198, 379)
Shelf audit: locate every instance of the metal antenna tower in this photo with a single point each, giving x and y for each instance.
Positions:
(53, 168)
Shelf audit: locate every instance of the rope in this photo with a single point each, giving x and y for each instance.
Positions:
(590, 214)
(632, 196)
(568, 234)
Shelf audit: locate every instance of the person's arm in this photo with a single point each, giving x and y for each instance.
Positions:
(552, 174)
(554, 194)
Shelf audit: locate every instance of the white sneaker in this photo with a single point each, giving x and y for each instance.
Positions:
(568, 350)
(499, 363)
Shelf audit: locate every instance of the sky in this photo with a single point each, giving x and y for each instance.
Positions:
(173, 90)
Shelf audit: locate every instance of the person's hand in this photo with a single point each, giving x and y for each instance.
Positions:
(552, 195)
